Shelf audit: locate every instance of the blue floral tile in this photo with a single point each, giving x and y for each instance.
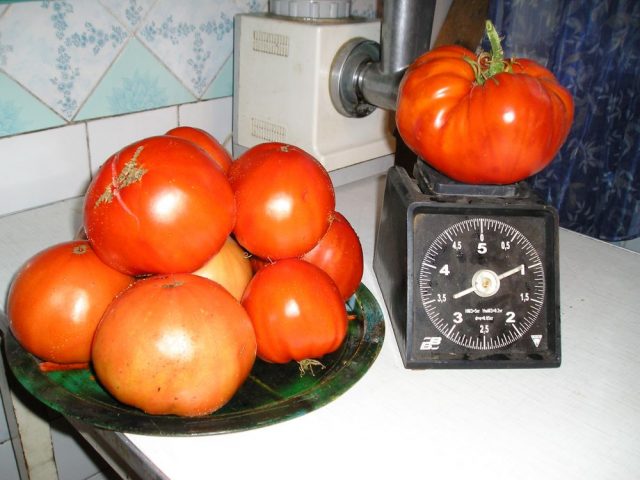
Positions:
(253, 5)
(58, 50)
(21, 112)
(193, 38)
(129, 12)
(72, 60)
(222, 85)
(136, 81)
(5, 49)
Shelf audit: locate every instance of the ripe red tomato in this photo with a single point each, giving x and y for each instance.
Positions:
(284, 200)
(174, 344)
(159, 205)
(497, 122)
(207, 142)
(57, 299)
(296, 310)
(339, 253)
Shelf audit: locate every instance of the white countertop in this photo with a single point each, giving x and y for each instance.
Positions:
(581, 420)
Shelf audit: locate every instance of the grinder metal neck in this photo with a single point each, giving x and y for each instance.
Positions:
(365, 74)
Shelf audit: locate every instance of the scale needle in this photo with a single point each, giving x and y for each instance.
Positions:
(488, 274)
(464, 292)
(512, 271)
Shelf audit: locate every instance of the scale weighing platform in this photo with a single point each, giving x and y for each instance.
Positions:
(469, 273)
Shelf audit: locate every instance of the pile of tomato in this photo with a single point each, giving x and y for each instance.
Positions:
(189, 266)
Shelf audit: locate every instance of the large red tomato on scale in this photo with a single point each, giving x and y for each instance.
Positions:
(174, 344)
(160, 205)
(296, 310)
(57, 299)
(284, 200)
(480, 118)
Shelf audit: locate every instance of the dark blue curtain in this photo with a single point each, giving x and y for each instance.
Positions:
(593, 47)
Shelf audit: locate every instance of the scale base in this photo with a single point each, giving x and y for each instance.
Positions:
(402, 239)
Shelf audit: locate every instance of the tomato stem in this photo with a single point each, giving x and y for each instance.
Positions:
(496, 63)
(489, 64)
(307, 365)
(80, 249)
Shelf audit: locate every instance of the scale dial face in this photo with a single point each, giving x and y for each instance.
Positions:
(484, 287)
(482, 284)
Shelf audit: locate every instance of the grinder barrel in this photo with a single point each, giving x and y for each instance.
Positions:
(366, 75)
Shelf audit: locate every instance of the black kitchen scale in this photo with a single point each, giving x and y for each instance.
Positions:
(469, 273)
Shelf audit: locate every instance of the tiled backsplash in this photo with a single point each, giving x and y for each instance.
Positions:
(80, 79)
(69, 60)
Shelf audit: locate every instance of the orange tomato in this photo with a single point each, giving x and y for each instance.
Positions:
(57, 299)
(174, 344)
(230, 267)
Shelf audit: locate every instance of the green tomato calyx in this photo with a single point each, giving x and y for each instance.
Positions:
(489, 64)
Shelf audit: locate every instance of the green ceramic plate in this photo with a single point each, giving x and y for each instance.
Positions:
(271, 394)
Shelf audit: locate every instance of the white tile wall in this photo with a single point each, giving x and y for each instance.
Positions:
(8, 468)
(56, 164)
(42, 167)
(75, 459)
(107, 136)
